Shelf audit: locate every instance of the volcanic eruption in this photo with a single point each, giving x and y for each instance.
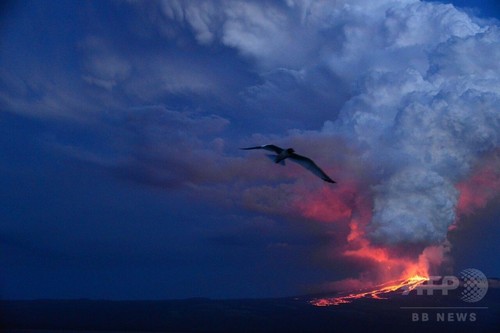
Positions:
(428, 145)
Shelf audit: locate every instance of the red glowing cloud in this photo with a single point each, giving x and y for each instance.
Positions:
(338, 205)
(482, 187)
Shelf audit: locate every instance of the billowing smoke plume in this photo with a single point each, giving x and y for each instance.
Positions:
(423, 129)
(424, 132)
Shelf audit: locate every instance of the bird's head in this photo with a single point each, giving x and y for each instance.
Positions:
(290, 150)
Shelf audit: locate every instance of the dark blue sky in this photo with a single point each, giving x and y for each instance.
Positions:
(120, 124)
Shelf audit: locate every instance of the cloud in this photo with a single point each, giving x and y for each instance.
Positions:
(395, 99)
(412, 96)
(414, 205)
(426, 24)
(482, 187)
(39, 94)
(423, 128)
(422, 134)
(162, 147)
(104, 67)
(203, 17)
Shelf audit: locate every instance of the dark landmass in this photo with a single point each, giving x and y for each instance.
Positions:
(294, 314)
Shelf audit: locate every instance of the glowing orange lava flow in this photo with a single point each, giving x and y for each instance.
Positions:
(402, 273)
(377, 293)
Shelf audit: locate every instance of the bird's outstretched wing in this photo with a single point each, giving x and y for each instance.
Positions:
(273, 148)
(311, 166)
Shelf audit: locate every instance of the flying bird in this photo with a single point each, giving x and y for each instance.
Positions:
(283, 154)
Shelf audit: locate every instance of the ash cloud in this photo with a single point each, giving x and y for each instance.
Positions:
(414, 95)
(411, 88)
(424, 131)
